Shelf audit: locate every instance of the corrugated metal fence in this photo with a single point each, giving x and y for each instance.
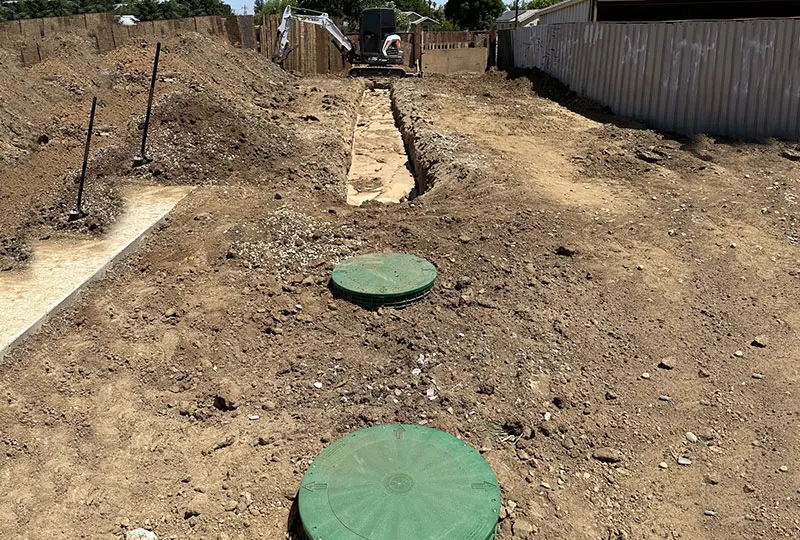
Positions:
(736, 78)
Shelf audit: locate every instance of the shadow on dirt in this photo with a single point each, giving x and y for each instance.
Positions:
(293, 525)
(551, 88)
(699, 145)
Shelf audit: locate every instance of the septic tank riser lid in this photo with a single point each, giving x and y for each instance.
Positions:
(399, 482)
(379, 279)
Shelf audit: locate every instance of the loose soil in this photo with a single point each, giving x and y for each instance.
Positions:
(601, 290)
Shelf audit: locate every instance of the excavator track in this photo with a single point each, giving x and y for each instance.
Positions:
(378, 72)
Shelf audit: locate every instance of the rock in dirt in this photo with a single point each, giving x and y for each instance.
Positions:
(140, 534)
(667, 363)
(691, 437)
(711, 479)
(793, 155)
(650, 155)
(268, 405)
(522, 528)
(759, 341)
(565, 251)
(684, 461)
(227, 396)
(607, 455)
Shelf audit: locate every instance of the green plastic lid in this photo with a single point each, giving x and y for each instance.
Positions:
(399, 482)
(383, 279)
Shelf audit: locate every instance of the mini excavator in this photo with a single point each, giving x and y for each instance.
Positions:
(380, 53)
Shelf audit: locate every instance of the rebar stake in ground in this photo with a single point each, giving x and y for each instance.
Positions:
(142, 158)
(78, 212)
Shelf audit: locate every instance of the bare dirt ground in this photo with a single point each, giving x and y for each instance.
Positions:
(380, 170)
(611, 301)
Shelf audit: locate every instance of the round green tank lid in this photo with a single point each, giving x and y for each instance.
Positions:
(399, 482)
(379, 279)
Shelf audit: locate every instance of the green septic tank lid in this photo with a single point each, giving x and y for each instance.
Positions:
(399, 482)
(383, 279)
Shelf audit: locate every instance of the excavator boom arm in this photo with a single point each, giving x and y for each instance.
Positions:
(313, 17)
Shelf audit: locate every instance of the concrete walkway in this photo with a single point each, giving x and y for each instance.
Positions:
(61, 268)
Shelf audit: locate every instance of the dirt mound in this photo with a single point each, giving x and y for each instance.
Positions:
(221, 116)
(199, 139)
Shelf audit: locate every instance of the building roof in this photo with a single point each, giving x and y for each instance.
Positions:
(560, 5)
(423, 20)
(416, 18)
(524, 15)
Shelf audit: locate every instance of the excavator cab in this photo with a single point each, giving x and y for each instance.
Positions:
(377, 25)
(380, 47)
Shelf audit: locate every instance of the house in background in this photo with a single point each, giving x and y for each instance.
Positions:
(127, 20)
(527, 17)
(427, 24)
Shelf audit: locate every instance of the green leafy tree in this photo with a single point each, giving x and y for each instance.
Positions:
(145, 10)
(272, 7)
(151, 10)
(539, 4)
(426, 8)
(349, 10)
(474, 14)
(34, 9)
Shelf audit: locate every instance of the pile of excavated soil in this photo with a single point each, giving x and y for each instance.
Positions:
(220, 116)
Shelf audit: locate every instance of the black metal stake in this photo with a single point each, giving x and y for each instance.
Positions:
(142, 158)
(78, 213)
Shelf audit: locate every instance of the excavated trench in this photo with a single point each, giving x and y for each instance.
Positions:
(380, 169)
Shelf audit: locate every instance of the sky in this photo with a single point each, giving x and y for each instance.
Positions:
(237, 6)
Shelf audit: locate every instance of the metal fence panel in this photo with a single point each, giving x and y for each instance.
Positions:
(739, 78)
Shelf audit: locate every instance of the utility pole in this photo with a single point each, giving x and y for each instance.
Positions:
(516, 17)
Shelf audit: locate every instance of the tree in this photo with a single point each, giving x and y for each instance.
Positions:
(271, 7)
(347, 9)
(540, 4)
(474, 14)
(151, 10)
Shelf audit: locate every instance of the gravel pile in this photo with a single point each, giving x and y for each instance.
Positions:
(294, 240)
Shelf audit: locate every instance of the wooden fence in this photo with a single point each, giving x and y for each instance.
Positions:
(311, 49)
(30, 36)
(455, 40)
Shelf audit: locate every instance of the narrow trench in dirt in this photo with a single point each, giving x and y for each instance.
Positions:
(380, 168)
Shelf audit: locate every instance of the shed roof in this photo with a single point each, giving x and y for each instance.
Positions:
(510, 15)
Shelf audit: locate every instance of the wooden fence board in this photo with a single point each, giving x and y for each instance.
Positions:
(32, 29)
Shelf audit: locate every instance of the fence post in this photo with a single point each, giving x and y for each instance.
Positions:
(418, 47)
